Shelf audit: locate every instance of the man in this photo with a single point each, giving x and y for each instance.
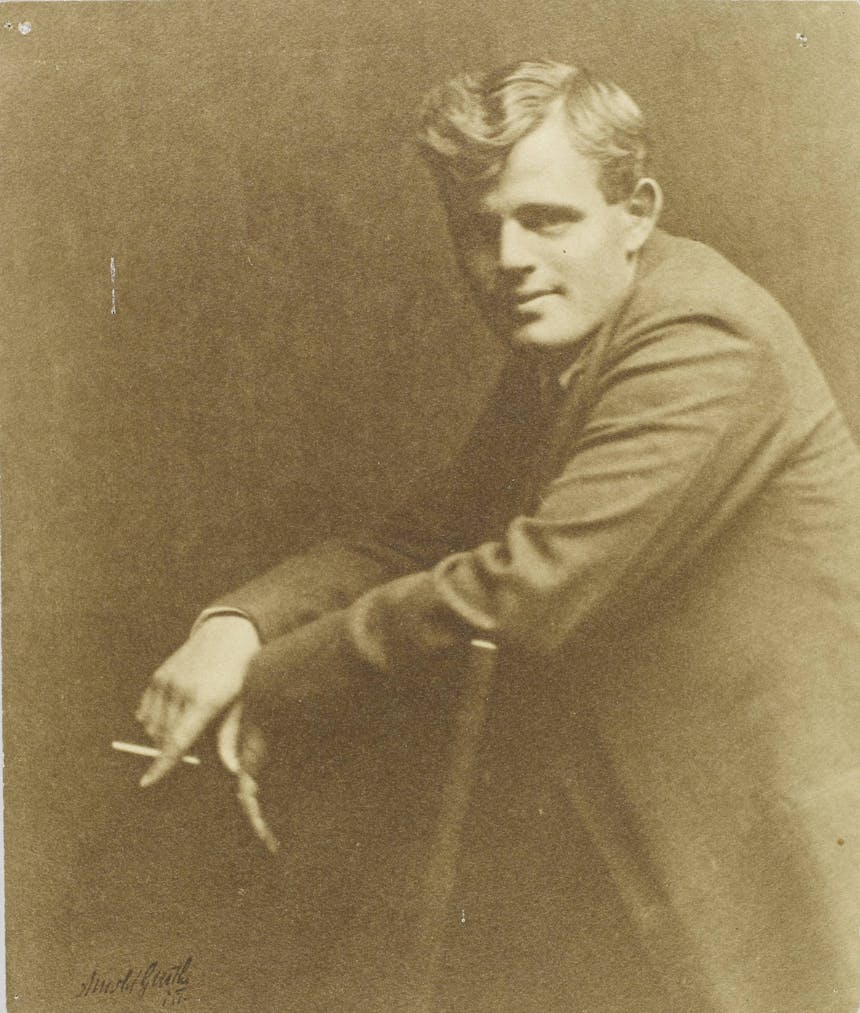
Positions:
(656, 523)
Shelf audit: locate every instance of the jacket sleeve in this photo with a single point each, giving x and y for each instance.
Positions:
(437, 519)
(685, 428)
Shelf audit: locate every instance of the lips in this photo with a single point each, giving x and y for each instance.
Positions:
(526, 300)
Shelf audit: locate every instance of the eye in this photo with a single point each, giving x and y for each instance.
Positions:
(548, 220)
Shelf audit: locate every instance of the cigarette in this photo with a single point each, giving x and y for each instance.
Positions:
(132, 747)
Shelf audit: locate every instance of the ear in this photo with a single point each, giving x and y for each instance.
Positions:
(643, 208)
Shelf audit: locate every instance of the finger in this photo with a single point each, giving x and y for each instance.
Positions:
(182, 735)
(247, 795)
(149, 712)
(228, 736)
(173, 708)
(252, 749)
(143, 706)
(166, 709)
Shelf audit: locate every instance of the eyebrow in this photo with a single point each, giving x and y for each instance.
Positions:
(535, 209)
(549, 210)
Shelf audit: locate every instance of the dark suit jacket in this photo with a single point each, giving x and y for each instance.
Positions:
(668, 804)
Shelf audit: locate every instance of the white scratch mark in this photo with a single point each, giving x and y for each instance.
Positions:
(113, 286)
(25, 28)
(10, 27)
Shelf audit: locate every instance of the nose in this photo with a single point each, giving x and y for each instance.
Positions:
(514, 252)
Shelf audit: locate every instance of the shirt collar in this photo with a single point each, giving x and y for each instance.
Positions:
(566, 377)
(551, 380)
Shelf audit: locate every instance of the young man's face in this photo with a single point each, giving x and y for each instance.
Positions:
(548, 258)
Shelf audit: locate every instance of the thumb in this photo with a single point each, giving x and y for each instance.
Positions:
(252, 758)
(228, 739)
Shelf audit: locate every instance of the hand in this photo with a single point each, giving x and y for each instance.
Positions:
(194, 685)
(243, 751)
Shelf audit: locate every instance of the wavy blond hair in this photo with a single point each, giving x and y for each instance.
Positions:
(470, 123)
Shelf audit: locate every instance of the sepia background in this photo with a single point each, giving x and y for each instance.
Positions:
(290, 347)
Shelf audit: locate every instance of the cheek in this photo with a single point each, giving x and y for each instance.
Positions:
(576, 268)
(593, 268)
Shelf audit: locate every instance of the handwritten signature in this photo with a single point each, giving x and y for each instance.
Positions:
(171, 982)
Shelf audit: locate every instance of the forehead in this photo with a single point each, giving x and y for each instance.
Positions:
(545, 168)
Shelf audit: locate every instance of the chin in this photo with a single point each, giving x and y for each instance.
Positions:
(536, 337)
